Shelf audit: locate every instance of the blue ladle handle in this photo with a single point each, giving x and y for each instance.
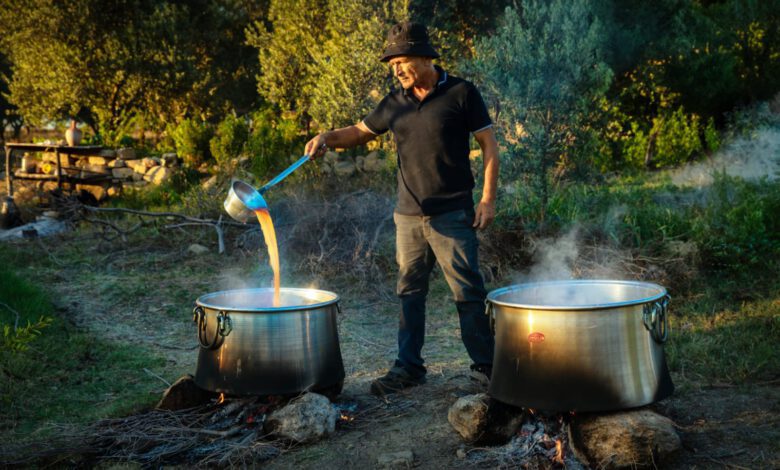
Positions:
(284, 174)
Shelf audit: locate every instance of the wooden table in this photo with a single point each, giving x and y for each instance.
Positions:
(58, 176)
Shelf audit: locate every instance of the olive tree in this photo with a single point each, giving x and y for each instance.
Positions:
(107, 63)
(543, 69)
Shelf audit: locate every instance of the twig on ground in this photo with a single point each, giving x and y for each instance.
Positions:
(157, 377)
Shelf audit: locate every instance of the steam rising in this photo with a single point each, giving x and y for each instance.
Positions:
(749, 158)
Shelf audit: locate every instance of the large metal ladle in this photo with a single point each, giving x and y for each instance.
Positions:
(243, 200)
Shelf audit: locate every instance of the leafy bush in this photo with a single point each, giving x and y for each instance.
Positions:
(546, 88)
(192, 138)
(271, 142)
(229, 140)
(673, 139)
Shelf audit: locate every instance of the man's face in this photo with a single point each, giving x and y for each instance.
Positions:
(408, 69)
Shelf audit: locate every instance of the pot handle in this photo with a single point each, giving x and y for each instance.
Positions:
(491, 316)
(656, 320)
(224, 327)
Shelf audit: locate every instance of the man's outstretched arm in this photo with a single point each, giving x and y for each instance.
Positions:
(346, 137)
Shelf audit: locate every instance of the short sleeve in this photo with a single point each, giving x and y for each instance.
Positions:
(476, 111)
(377, 120)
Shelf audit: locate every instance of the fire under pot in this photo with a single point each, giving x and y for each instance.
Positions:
(580, 345)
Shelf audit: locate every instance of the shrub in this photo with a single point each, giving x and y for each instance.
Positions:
(674, 138)
(271, 142)
(191, 138)
(229, 140)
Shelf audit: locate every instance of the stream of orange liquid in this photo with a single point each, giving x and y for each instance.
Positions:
(267, 226)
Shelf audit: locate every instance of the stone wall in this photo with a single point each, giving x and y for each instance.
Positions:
(125, 168)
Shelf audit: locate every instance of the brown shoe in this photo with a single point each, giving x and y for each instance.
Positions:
(394, 381)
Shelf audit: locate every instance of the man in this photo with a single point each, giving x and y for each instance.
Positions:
(431, 118)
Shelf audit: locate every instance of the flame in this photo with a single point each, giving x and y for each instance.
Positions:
(346, 418)
(558, 452)
(221, 399)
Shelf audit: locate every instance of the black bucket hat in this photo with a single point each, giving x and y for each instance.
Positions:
(408, 38)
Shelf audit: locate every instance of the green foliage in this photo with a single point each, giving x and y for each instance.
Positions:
(347, 79)
(191, 138)
(453, 25)
(673, 139)
(545, 68)
(271, 142)
(108, 63)
(328, 71)
(284, 47)
(738, 229)
(17, 339)
(229, 140)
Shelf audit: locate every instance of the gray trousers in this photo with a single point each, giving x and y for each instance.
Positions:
(450, 240)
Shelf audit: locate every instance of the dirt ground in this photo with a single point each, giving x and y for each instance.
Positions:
(143, 295)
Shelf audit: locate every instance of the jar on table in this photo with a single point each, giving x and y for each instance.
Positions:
(28, 164)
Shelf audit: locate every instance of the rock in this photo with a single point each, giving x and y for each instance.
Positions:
(169, 159)
(330, 157)
(158, 175)
(325, 168)
(360, 162)
(114, 191)
(126, 153)
(481, 419)
(209, 183)
(344, 168)
(404, 458)
(197, 249)
(150, 162)
(122, 173)
(99, 192)
(184, 394)
(108, 153)
(626, 439)
(116, 163)
(43, 227)
(92, 169)
(372, 162)
(137, 165)
(306, 419)
(469, 416)
(51, 157)
(98, 161)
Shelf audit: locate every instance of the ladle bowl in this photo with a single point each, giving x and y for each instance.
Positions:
(243, 200)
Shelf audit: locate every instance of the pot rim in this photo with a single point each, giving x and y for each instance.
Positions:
(203, 300)
(491, 297)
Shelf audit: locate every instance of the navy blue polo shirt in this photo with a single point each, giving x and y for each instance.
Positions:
(432, 138)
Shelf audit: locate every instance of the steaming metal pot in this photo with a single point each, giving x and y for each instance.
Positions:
(580, 345)
(250, 347)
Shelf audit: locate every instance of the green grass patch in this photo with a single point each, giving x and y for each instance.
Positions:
(65, 375)
(726, 345)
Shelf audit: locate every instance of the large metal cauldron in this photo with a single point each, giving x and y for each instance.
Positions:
(250, 347)
(580, 345)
